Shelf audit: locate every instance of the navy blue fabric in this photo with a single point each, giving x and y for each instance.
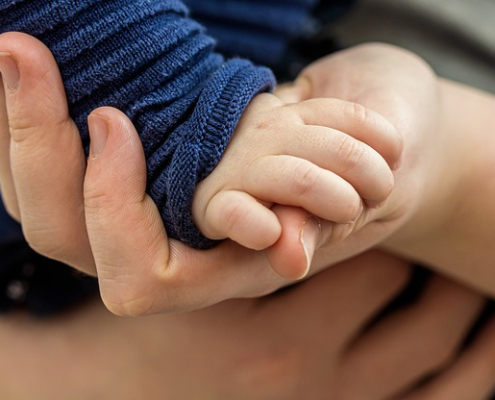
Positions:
(257, 29)
(265, 31)
(156, 64)
(149, 59)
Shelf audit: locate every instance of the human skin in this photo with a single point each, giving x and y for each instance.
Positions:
(440, 212)
(70, 242)
(454, 234)
(305, 342)
(141, 272)
(38, 127)
(330, 164)
(470, 377)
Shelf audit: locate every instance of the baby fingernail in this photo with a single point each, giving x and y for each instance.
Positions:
(9, 70)
(310, 234)
(98, 133)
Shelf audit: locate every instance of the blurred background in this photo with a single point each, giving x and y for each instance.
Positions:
(457, 37)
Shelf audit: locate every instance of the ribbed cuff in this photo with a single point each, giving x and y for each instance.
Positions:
(205, 137)
(153, 62)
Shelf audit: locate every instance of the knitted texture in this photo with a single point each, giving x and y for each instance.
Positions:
(150, 60)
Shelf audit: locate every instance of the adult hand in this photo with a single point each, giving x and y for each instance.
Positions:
(98, 215)
(101, 217)
(312, 341)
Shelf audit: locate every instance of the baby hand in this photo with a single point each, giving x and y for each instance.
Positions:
(328, 156)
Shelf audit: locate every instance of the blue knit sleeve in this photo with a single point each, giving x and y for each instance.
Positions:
(150, 60)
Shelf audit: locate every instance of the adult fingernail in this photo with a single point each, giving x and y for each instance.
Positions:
(98, 133)
(10, 71)
(310, 234)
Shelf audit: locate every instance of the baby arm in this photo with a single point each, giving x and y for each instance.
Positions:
(330, 157)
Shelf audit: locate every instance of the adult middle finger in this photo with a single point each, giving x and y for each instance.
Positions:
(46, 157)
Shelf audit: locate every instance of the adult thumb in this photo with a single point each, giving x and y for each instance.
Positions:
(291, 256)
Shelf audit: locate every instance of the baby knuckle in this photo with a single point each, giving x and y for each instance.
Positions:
(271, 128)
(305, 179)
(353, 208)
(356, 113)
(350, 153)
(233, 216)
(263, 125)
(350, 207)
